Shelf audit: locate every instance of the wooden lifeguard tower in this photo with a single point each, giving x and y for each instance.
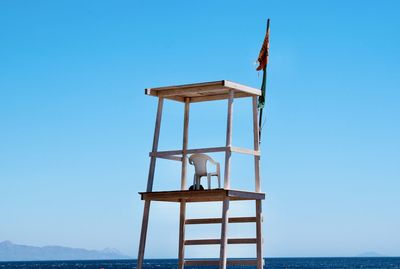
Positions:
(188, 94)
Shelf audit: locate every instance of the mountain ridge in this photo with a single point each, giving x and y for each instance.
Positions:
(17, 252)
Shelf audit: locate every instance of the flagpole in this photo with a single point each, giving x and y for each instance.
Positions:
(263, 87)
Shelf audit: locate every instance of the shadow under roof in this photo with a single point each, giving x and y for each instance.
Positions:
(206, 91)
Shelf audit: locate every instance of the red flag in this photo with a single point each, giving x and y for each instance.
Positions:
(263, 56)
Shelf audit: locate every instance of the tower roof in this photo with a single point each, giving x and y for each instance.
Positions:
(205, 91)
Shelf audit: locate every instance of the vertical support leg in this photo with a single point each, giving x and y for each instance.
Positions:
(182, 215)
(155, 145)
(256, 146)
(182, 235)
(146, 210)
(259, 220)
(224, 233)
(228, 152)
(185, 144)
(143, 234)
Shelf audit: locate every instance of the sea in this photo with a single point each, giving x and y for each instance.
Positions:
(273, 263)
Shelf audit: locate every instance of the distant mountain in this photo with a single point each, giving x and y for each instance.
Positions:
(13, 252)
(370, 254)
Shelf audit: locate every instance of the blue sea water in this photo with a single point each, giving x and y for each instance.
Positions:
(273, 263)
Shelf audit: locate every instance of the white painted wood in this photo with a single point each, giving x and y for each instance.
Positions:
(245, 151)
(260, 258)
(185, 144)
(188, 151)
(256, 146)
(228, 152)
(242, 88)
(224, 234)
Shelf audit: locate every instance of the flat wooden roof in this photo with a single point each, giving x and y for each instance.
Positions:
(206, 91)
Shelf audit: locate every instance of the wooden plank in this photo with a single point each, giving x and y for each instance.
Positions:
(181, 250)
(245, 151)
(217, 97)
(242, 88)
(206, 91)
(242, 241)
(219, 220)
(195, 242)
(187, 195)
(259, 247)
(235, 262)
(155, 144)
(201, 196)
(224, 234)
(188, 151)
(256, 141)
(228, 153)
(153, 91)
(190, 91)
(170, 157)
(162, 154)
(246, 195)
(185, 144)
(143, 234)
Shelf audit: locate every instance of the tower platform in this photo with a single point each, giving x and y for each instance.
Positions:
(213, 195)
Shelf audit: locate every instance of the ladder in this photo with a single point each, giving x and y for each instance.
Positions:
(223, 241)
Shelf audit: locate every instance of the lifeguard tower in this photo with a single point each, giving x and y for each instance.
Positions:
(188, 94)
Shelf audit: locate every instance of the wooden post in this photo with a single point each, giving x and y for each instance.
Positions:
(256, 146)
(260, 258)
(259, 220)
(182, 215)
(228, 152)
(185, 144)
(146, 210)
(182, 219)
(224, 233)
(155, 145)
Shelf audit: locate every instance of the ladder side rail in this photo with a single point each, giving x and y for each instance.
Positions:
(224, 233)
(259, 236)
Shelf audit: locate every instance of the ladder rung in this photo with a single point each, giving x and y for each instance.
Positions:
(202, 242)
(216, 262)
(242, 241)
(218, 241)
(219, 220)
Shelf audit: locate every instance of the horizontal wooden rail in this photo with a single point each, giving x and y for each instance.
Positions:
(216, 262)
(245, 151)
(171, 157)
(165, 154)
(194, 242)
(219, 220)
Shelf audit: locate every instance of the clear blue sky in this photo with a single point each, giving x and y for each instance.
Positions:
(76, 127)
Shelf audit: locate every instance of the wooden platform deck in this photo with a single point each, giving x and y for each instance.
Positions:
(213, 195)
